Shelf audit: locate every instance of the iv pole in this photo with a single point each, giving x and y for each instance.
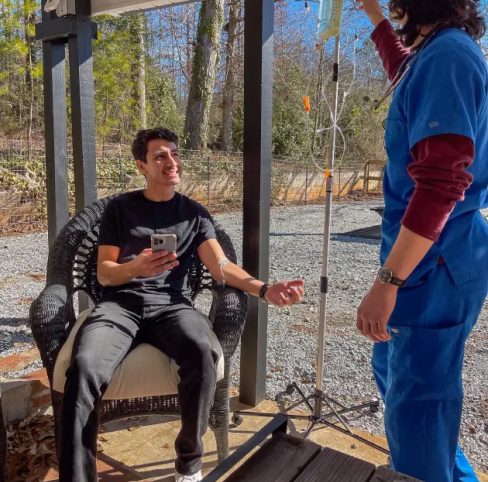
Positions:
(319, 400)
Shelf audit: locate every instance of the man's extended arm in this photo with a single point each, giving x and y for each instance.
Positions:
(279, 294)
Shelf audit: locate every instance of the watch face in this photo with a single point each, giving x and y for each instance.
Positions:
(385, 275)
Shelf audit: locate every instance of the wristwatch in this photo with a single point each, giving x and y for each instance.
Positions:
(386, 276)
(262, 292)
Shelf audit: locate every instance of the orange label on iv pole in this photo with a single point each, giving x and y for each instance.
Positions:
(306, 103)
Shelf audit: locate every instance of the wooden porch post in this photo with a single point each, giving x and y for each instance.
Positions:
(258, 100)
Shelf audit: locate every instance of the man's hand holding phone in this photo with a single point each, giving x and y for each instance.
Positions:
(149, 264)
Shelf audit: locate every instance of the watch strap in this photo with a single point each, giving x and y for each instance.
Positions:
(262, 292)
(397, 282)
(386, 276)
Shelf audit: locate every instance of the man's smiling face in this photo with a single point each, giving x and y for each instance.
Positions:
(163, 164)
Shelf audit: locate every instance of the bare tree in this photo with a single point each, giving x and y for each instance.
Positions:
(139, 86)
(228, 91)
(141, 77)
(203, 73)
(30, 60)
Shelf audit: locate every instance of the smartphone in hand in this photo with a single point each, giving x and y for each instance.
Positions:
(163, 242)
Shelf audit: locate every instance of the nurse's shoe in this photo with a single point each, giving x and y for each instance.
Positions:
(188, 478)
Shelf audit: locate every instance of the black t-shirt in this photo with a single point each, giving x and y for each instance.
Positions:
(128, 223)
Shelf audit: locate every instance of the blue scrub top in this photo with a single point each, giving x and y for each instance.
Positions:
(444, 92)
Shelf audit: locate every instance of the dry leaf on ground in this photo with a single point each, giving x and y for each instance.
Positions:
(31, 449)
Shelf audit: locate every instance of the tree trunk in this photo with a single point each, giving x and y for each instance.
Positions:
(30, 59)
(139, 79)
(189, 43)
(228, 93)
(141, 61)
(205, 62)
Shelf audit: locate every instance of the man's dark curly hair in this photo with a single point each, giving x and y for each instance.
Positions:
(139, 146)
(462, 14)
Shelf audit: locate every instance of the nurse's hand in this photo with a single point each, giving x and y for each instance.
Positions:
(373, 10)
(375, 311)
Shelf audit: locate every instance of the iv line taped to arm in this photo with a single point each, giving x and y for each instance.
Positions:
(222, 263)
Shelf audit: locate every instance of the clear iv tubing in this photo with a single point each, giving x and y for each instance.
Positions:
(324, 98)
(348, 91)
(322, 130)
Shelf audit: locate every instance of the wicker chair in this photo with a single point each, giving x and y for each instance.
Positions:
(3, 445)
(72, 267)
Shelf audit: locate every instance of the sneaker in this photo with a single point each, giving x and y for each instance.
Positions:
(189, 478)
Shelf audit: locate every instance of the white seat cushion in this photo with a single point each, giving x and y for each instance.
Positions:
(137, 375)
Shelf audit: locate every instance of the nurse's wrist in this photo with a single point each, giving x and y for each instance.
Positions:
(376, 19)
(386, 287)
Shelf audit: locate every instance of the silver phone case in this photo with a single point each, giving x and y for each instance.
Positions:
(163, 242)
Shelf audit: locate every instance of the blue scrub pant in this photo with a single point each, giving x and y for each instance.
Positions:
(418, 373)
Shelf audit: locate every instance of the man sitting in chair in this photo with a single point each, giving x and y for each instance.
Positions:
(146, 293)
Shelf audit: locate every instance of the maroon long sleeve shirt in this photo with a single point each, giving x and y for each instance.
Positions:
(440, 162)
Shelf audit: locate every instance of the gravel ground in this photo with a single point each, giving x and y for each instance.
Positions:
(295, 251)
(22, 275)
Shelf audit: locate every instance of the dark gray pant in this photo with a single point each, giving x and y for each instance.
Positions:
(101, 344)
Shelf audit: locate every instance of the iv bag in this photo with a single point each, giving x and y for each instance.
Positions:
(330, 13)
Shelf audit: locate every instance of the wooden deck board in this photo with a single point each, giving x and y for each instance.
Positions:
(333, 466)
(281, 459)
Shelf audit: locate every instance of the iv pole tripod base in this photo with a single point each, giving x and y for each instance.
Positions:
(315, 403)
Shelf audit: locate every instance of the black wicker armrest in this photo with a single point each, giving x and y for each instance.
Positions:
(50, 315)
(228, 316)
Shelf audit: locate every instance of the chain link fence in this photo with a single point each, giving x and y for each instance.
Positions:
(214, 179)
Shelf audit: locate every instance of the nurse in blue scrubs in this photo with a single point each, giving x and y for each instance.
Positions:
(433, 278)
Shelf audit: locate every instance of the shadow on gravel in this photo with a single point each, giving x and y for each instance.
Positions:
(17, 340)
(334, 237)
(296, 234)
(13, 321)
(341, 238)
